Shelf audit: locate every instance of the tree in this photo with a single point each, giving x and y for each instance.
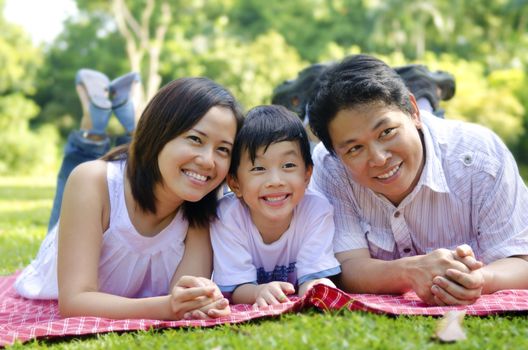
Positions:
(309, 26)
(409, 31)
(23, 150)
(144, 37)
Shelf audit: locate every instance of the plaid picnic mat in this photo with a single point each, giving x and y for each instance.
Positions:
(22, 319)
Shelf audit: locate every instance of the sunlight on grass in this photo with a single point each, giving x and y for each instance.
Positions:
(25, 205)
(24, 181)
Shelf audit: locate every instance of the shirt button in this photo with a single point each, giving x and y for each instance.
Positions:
(467, 159)
(397, 214)
(407, 250)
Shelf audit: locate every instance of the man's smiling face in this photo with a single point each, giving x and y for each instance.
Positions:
(381, 147)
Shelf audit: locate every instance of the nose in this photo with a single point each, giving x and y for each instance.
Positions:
(206, 158)
(274, 178)
(378, 156)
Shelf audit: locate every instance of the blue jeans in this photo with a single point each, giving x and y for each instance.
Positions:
(77, 150)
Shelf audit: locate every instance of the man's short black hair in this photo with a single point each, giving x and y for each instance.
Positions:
(356, 80)
(266, 125)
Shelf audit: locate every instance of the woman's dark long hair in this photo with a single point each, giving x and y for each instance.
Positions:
(175, 109)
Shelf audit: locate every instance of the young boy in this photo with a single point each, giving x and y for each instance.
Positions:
(272, 235)
(417, 199)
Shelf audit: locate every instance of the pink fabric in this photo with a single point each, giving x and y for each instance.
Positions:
(327, 298)
(22, 319)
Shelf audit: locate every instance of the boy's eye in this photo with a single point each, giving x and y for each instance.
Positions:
(289, 165)
(257, 168)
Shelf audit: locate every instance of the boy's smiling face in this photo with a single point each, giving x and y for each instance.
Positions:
(273, 185)
(381, 147)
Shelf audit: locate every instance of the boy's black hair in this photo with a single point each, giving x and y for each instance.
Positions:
(266, 125)
(356, 80)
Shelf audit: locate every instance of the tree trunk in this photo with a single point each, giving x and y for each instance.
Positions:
(143, 47)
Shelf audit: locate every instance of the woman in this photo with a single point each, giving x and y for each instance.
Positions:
(133, 227)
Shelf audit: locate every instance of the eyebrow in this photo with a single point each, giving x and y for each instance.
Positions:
(204, 134)
(291, 152)
(382, 121)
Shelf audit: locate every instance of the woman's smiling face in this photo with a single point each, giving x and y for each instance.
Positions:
(195, 162)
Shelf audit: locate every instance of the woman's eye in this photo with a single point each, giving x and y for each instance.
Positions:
(194, 138)
(224, 150)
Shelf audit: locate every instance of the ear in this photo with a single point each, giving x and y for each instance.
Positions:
(308, 175)
(415, 116)
(233, 184)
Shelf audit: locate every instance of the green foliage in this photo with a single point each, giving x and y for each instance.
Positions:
(249, 70)
(488, 100)
(252, 70)
(251, 48)
(23, 150)
(307, 25)
(19, 60)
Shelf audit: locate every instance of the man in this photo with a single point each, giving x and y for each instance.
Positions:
(421, 203)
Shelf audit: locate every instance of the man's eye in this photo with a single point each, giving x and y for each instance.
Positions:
(354, 150)
(388, 131)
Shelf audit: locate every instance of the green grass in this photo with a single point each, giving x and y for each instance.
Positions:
(24, 208)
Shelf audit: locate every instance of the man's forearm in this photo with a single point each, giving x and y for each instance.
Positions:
(507, 273)
(367, 275)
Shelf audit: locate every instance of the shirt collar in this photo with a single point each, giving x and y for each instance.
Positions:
(433, 175)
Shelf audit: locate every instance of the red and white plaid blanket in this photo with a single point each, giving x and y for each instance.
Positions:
(22, 319)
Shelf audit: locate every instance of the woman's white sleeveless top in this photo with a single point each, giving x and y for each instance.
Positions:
(131, 265)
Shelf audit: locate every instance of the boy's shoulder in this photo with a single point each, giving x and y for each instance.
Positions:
(314, 201)
(327, 166)
(320, 153)
(228, 203)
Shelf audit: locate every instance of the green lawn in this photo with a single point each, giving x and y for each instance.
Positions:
(24, 208)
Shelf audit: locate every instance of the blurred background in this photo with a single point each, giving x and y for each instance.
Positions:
(250, 46)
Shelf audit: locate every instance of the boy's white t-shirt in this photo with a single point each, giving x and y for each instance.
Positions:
(304, 252)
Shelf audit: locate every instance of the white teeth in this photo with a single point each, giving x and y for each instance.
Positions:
(275, 199)
(196, 176)
(389, 174)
